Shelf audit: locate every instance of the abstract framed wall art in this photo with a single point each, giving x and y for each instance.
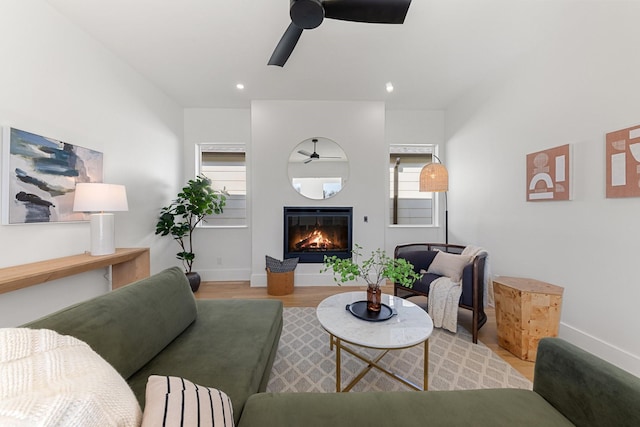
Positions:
(39, 175)
(548, 174)
(623, 163)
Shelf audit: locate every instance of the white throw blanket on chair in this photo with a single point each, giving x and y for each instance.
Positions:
(444, 295)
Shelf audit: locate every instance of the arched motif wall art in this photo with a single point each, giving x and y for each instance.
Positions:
(549, 174)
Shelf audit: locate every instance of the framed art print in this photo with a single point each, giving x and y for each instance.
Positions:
(548, 174)
(39, 176)
(623, 163)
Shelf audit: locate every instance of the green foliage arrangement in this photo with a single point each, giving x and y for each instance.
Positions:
(195, 201)
(373, 270)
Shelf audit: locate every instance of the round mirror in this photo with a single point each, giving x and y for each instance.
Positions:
(318, 168)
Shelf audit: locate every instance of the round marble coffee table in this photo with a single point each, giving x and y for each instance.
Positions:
(409, 327)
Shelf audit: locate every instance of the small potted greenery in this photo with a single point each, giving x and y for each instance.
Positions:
(195, 201)
(373, 270)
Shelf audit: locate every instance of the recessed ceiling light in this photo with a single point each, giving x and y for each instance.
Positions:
(240, 86)
(389, 86)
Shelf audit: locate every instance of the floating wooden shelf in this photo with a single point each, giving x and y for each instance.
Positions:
(128, 265)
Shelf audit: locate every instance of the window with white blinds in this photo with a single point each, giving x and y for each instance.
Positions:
(225, 165)
(407, 205)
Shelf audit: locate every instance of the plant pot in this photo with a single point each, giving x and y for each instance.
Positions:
(194, 280)
(374, 298)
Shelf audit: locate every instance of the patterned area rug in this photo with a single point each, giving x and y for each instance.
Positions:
(304, 362)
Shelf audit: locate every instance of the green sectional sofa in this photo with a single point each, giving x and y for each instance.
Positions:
(571, 387)
(155, 326)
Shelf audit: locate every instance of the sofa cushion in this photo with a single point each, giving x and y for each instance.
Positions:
(450, 265)
(160, 307)
(230, 347)
(488, 407)
(423, 283)
(52, 379)
(173, 401)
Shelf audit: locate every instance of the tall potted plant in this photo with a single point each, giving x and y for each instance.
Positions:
(195, 201)
(373, 270)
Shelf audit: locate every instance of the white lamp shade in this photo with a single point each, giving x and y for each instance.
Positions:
(100, 197)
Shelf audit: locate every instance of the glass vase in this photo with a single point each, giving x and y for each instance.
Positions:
(374, 298)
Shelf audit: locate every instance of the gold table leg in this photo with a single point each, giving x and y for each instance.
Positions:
(425, 384)
(338, 368)
(374, 364)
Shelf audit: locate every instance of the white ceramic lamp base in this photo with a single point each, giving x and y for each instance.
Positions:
(103, 234)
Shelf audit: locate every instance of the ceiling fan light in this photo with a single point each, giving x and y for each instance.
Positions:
(389, 87)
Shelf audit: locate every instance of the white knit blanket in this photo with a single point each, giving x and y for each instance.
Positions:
(47, 379)
(444, 295)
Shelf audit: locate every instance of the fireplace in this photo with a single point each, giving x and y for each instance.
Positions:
(310, 233)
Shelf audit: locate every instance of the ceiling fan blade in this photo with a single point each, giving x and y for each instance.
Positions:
(304, 152)
(308, 160)
(284, 48)
(372, 11)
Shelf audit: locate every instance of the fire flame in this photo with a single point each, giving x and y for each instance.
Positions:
(315, 240)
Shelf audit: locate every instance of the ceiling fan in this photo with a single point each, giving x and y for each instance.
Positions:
(308, 14)
(314, 155)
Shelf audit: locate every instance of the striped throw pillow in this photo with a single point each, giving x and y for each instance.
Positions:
(175, 401)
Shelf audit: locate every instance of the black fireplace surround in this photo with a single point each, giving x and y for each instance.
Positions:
(310, 233)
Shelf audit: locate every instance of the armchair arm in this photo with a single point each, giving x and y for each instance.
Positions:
(473, 283)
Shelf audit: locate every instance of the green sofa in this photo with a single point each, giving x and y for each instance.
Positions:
(571, 387)
(155, 326)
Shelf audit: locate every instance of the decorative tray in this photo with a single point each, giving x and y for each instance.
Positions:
(359, 309)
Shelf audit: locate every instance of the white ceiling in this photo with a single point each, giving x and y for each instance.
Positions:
(197, 50)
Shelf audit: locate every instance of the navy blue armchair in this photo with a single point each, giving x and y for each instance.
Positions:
(422, 254)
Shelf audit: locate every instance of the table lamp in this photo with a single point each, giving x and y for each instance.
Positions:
(97, 197)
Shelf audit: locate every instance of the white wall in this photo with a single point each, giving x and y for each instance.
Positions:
(58, 82)
(221, 253)
(580, 85)
(277, 127)
(225, 254)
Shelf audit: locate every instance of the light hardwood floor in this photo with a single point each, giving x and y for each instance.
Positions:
(310, 296)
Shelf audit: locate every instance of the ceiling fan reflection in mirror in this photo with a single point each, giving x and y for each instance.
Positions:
(315, 155)
(309, 14)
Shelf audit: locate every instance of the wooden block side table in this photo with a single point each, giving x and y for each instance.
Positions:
(526, 311)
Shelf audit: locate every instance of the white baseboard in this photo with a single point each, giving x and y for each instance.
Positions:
(614, 355)
(301, 279)
(220, 275)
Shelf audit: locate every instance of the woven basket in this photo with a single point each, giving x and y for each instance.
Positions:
(279, 283)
